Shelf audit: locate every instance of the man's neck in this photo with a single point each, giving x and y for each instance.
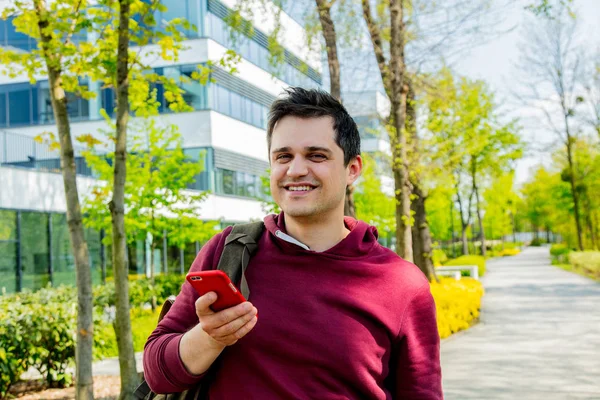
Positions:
(318, 233)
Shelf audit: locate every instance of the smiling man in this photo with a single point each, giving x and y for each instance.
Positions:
(341, 317)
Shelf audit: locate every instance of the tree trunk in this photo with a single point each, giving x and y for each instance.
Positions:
(85, 325)
(328, 28)
(479, 218)
(152, 247)
(590, 224)
(335, 86)
(393, 77)
(465, 241)
(572, 178)
(514, 227)
(399, 102)
(127, 365)
(422, 248)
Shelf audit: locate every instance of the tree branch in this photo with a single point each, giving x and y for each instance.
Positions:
(74, 24)
(375, 35)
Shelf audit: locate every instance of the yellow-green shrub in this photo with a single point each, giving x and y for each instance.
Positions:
(508, 252)
(469, 260)
(457, 304)
(439, 257)
(587, 261)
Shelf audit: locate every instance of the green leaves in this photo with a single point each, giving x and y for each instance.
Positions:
(156, 194)
(372, 204)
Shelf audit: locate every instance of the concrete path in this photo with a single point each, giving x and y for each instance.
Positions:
(539, 336)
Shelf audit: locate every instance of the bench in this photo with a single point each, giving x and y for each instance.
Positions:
(473, 270)
(455, 274)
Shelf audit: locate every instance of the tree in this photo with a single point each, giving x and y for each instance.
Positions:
(552, 65)
(500, 203)
(127, 364)
(54, 26)
(497, 148)
(592, 96)
(468, 140)
(393, 74)
(422, 243)
(156, 195)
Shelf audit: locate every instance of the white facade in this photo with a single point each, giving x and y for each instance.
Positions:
(211, 127)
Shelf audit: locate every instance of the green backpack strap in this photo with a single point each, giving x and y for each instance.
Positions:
(240, 244)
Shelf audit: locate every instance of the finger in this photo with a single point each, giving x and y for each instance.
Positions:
(203, 304)
(244, 330)
(223, 317)
(233, 326)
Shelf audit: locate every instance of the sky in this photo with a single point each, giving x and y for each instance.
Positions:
(494, 62)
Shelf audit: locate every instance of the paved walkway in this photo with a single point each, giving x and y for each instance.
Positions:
(539, 336)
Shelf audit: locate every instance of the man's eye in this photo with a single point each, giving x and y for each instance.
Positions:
(282, 157)
(318, 157)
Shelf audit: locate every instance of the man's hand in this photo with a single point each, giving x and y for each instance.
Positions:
(227, 326)
(200, 346)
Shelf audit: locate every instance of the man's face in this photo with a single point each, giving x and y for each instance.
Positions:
(308, 176)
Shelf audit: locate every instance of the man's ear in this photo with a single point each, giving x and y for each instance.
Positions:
(354, 170)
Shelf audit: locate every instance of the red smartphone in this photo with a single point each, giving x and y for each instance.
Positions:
(218, 282)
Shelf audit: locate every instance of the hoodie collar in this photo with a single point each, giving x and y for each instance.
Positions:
(359, 241)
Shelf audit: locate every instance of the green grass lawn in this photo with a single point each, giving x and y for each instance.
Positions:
(143, 323)
(579, 271)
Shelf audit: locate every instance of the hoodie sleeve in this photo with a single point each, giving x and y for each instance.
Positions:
(163, 369)
(416, 365)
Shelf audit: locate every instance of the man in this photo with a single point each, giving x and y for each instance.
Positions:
(341, 317)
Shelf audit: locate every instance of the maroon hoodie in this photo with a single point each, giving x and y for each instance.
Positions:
(353, 322)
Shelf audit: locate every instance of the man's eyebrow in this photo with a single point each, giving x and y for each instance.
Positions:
(307, 149)
(318, 148)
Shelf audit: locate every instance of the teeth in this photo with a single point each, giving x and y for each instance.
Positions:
(299, 188)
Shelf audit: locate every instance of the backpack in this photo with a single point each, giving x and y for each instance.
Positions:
(240, 244)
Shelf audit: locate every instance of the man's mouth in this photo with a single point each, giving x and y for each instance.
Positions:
(301, 188)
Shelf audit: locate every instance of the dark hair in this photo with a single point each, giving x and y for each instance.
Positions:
(314, 103)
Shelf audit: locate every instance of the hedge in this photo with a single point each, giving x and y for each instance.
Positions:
(586, 261)
(559, 253)
(469, 260)
(457, 304)
(38, 329)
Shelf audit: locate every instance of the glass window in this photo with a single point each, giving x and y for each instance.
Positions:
(92, 237)
(3, 119)
(8, 251)
(195, 92)
(63, 262)
(256, 114)
(264, 117)
(109, 101)
(248, 109)
(240, 184)
(17, 39)
(218, 181)
(44, 107)
(223, 104)
(19, 104)
(175, 9)
(193, 15)
(236, 105)
(249, 185)
(228, 182)
(34, 250)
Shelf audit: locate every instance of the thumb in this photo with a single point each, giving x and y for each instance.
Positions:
(203, 303)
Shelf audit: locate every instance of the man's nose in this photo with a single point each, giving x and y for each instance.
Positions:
(297, 167)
